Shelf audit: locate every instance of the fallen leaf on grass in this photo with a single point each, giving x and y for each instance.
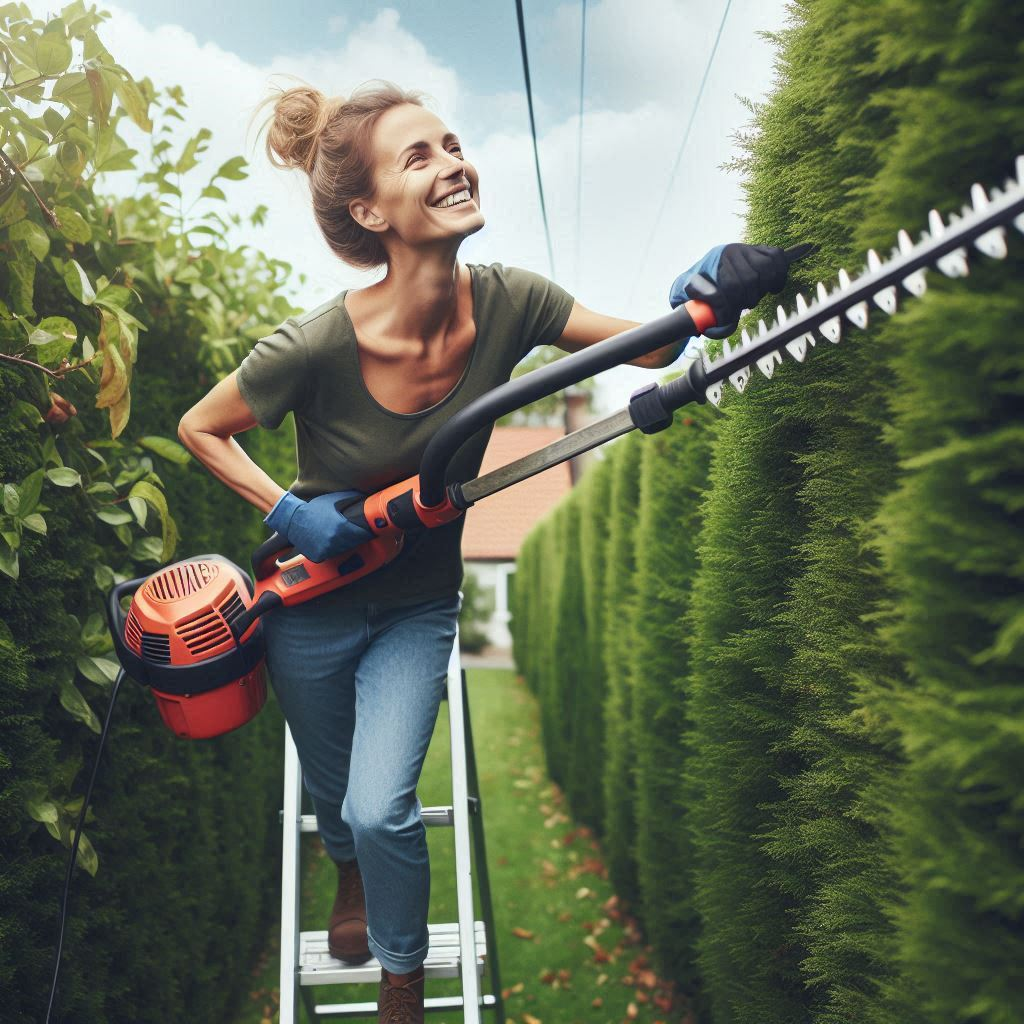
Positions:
(597, 1002)
(548, 868)
(584, 893)
(565, 916)
(512, 991)
(528, 1018)
(632, 1011)
(522, 933)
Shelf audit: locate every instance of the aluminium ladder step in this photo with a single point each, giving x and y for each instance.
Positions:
(433, 817)
(434, 1003)
(316, 966)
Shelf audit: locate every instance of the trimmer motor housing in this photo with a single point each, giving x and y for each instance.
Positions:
(177, 639)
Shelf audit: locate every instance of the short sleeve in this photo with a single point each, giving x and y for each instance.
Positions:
(274, 377)
(544, 307)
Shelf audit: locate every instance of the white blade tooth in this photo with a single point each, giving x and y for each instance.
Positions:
(935, 226)
(762, 327)
(714, 394)
(801, 304)
(767, 363)
(797, 348)
(886, 299)
(844, 279)
(979, 198)
(1020, 170)
(874, 261)
(953, 264)
(905, 243)
(822, 292)
(739, 379)
(832, 329)
(745, 338)
(780, 315)
(726, 349)
(992, 243)
(858, 314)
(915, 283)
(1018, 223)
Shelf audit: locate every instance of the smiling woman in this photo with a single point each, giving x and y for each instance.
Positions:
(370, 376)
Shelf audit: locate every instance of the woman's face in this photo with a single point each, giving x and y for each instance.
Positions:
(418, 162)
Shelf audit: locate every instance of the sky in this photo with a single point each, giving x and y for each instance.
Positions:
(643, 66)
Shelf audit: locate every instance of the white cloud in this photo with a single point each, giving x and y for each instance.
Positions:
(644, 62)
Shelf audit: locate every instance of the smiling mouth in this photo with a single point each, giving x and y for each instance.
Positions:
(452, 201)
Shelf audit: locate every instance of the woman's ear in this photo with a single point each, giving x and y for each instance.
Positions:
(364, 216)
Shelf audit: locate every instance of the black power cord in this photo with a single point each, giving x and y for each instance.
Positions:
(74, 846)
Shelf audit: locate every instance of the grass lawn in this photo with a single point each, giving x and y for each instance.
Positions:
(567, 953)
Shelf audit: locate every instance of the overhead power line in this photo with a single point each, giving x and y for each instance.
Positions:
(679, 155)
(533, 131)
(579, 152)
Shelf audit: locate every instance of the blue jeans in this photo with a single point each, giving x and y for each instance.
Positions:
(360, 688)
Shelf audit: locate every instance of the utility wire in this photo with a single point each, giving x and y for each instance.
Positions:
(679, 156)
(579, 152)
(533, 130)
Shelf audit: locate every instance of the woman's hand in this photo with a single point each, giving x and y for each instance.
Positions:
(742, 276)
(318, 528)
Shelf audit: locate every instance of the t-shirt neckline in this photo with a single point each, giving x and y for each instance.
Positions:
(353, 349)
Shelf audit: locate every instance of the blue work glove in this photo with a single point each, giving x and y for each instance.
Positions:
(318, 528)
(741, 275)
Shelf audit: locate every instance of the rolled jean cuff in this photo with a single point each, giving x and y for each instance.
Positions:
(396, 963)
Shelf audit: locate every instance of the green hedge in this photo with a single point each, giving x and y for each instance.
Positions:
(178, 870)
(812, 747)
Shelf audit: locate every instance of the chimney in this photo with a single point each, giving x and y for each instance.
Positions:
(575, 418)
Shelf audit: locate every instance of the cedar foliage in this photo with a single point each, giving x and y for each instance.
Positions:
(849, 755)
(586, 752)
(619, 591)
(673, 475)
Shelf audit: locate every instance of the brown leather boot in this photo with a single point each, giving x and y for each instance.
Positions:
(346, 931)
(401, 1004)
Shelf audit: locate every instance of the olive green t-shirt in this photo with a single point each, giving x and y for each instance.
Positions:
(346, 440)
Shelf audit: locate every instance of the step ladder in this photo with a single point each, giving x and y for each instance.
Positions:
(305, 960)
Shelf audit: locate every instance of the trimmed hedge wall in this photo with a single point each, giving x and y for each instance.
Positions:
(811, 739)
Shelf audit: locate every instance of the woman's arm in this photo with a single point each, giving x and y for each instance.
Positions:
(585, 327)
(206, 431)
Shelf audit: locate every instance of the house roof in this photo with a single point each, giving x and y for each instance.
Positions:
(496, 526)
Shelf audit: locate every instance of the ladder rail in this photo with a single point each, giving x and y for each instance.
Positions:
(463, 855)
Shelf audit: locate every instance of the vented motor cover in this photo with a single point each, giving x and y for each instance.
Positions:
(177, 639)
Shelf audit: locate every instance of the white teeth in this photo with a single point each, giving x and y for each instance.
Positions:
(453, 200)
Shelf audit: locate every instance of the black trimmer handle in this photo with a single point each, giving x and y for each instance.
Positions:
(264, 557)
(116, 619)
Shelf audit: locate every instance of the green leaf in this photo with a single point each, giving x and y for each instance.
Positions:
(104, 577)
(72, 225)
(166, 448)
(114, 516)
(232, 169)
(54, 338)
(78, 282)
(138, 506)
(76, 705)
(96, 669)
(148, 549)
(52, 54)
(12, 499)
(65, 476)
(35, 522)
(86, 854)
(37, 240)
(31, 489)
(155, 497)
(44, 810)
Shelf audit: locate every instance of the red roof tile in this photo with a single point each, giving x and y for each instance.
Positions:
(498, 524)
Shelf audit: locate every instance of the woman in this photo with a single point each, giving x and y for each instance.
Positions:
(370, 377)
